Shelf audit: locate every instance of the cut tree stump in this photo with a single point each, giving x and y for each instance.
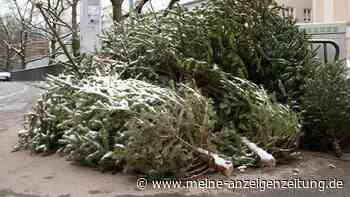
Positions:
(225, 167)
(266, 158)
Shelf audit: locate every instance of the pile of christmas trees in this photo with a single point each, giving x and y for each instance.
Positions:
(164, 93)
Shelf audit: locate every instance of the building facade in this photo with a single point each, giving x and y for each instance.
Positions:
(334, 11)
(323, 19)
(299, 9)
(317, 11)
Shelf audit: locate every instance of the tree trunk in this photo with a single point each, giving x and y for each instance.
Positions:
(53, 49)
(8, 59)
(117, 10)
(24, 40)
(75, 36)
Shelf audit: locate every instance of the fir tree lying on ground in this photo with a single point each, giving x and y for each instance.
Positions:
(127, 108)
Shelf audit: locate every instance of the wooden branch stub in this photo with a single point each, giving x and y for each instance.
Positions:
(266, 158)
(225, 167)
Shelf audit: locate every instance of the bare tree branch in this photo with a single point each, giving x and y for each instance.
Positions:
(57, 36)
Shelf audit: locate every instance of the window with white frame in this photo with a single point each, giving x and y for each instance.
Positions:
(307, 15)
(290, 12)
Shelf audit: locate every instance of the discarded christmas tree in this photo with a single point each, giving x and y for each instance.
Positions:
(173, 96)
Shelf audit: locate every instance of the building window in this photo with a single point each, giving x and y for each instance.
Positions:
(290, 12)
(307, 15)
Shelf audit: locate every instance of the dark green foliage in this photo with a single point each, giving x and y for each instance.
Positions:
(275, 52)
(212, 45)
(247, 39)
(248, 110)
(161, 52)
(234, 52)
(326, 107)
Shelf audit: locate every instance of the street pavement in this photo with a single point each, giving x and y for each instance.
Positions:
(25, 175)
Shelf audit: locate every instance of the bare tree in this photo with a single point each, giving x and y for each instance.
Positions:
(55, 9)
(56, 26)
(24, 15)
(51, 19)
(8, 37)
(27, 28)
(52, 12)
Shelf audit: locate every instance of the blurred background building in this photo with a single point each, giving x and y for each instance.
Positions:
(323, 19)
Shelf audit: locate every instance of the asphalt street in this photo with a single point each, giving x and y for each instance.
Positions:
(25, 175)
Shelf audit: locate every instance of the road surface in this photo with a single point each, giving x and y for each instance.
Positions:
(26, 175)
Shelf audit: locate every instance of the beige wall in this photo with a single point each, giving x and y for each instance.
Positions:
(341, 10)
(318, 11)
